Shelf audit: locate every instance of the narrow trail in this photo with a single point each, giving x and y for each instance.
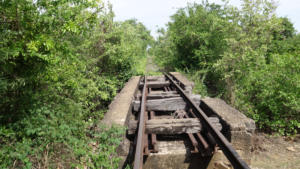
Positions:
(151, 66)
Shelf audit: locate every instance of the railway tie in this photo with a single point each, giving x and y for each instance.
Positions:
(165, 109)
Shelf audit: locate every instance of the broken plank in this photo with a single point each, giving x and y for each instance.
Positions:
(161, 95)
(168, 126)
(171, 126)
(168, 104)
(155, 84)
(156, 78)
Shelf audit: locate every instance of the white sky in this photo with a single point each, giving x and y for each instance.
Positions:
(156, 13)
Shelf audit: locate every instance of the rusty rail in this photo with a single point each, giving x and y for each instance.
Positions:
(153, 136)
(139, 152)
(226, 147)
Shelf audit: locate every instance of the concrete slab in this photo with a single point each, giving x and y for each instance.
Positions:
(235, 119)
(121, 105)
(237, 128)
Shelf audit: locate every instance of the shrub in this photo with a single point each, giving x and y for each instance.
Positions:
(247, 56)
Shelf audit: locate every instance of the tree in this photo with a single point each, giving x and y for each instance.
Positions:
(62, 62)
(242, 55)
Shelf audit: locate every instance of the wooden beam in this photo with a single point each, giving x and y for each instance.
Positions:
(168, 104)
(171, 126)
(156, 84)
(161, 95)
(164, 94)
(156, 78)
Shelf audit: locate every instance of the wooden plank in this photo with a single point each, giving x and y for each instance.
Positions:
(156, 78)
(168, 104)
(214, 119)
(160, 92)
(160, 95)
(156, 84)
(171, 126)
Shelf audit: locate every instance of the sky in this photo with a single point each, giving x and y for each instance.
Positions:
(155, 14)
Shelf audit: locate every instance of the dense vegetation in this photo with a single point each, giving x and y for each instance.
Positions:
(248, 56)
(62, 61)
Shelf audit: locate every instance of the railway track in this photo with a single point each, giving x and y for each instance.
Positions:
(165, 110)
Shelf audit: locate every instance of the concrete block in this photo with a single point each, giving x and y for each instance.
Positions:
(121, 105)
(238, 129)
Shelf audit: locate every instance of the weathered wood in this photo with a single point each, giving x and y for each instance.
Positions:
(156, 84)
(169, 126)
(215, 122)
(172, 126)
(165, 92)
(213, 119)
(161, 95)
(161, 92)
(168, 104)
(156, 78)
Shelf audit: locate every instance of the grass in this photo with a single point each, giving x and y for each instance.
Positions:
(141, 66)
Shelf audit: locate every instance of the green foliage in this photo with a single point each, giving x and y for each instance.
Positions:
(195, 40)
(107, 140)
(141, 66)
(247, 56)
(62, 62)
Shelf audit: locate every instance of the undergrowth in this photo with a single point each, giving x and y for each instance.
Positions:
(62, 62)
(247, 56)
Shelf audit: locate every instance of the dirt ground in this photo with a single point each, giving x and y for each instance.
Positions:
(276, 152)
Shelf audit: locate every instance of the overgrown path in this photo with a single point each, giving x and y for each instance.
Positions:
(151, 66)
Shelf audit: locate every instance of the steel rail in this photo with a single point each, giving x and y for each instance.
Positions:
(138, 158)
(153, 136)
(226, 147)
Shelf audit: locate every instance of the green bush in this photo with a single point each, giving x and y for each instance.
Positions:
(271, 95)
(247, 56)
(62, 62)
